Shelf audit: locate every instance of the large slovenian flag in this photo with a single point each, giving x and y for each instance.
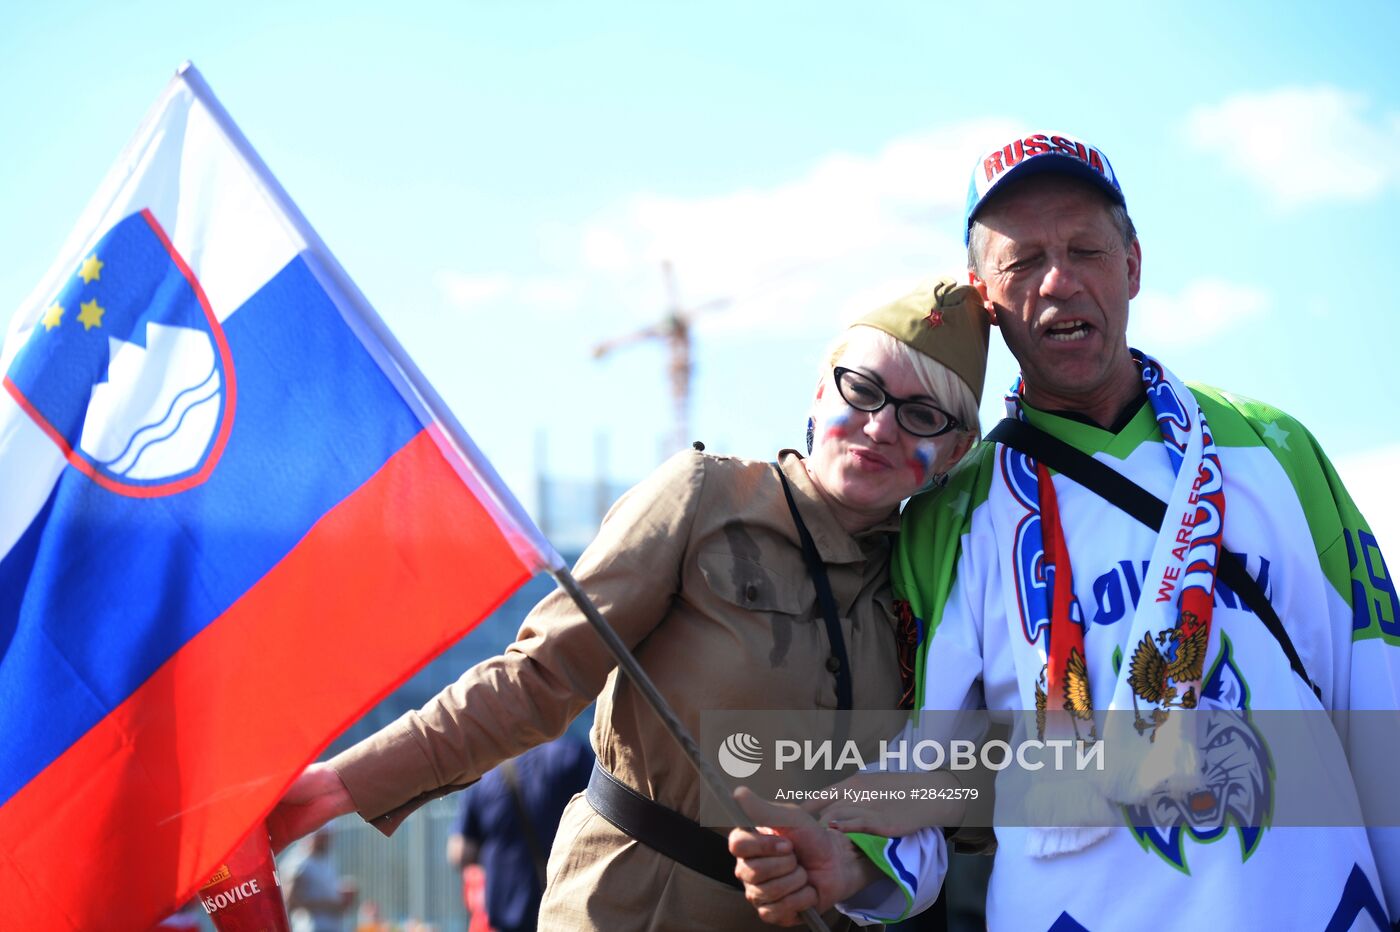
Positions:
(233, 516)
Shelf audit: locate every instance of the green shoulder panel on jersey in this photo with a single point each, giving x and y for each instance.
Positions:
(875, 847)
(1346, 549)
(930, 543)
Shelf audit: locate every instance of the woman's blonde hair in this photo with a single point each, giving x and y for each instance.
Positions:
(939, 382)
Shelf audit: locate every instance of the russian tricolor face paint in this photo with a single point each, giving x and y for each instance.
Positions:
(921, 463)
(833, 425)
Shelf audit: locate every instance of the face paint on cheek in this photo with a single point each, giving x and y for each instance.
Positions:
(921, 463)
(834, 425)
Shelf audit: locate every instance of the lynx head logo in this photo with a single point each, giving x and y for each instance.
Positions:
(1237, 777)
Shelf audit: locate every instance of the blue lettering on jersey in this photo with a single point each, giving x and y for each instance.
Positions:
(1116, 592)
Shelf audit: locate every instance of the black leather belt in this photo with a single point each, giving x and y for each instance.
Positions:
(661, 829)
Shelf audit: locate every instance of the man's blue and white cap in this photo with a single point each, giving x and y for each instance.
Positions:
(1038, 152)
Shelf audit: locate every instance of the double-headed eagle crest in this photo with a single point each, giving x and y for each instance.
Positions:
(1153, 672)
(1077, 700)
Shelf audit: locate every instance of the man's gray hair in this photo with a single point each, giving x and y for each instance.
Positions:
(977, 235)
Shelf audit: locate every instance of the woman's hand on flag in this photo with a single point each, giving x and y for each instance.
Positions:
(315, 797)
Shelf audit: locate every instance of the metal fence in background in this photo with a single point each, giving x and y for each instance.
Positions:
(406, 874)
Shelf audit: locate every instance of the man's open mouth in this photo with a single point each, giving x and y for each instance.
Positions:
(1066, 333)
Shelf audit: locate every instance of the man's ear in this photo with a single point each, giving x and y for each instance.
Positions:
(981, 288)
(1134, 268)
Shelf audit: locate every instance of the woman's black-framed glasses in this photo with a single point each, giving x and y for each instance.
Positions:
(918, 417)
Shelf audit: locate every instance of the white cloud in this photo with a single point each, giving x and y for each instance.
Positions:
(805, 249)
(1370, 478)
(470, 292)
(1303, 144)
(849, 233)
(1204, 308)
(547, 294)
(465, 292)
(605, 250)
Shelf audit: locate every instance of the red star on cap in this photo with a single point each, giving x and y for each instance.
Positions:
(934, 318)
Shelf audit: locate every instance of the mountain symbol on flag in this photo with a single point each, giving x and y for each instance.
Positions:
(128, 369)
(157, 412)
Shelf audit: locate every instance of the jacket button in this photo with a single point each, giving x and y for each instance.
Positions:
(833, 664)
(750, 592)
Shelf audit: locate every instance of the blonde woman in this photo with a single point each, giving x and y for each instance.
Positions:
(701, 570)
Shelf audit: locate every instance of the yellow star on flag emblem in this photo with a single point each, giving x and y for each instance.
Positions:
(91, 269)
(90, 314)
(52, 317)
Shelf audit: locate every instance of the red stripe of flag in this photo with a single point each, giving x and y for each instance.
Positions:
(137, 813)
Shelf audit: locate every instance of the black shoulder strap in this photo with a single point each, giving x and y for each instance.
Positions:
(817, 570)
(1141, 504)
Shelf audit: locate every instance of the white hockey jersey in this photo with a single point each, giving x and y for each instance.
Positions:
(1300, 536)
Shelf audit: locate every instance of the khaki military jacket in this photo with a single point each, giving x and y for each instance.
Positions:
(700, 570)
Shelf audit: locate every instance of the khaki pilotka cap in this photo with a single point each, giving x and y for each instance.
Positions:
(943, 320)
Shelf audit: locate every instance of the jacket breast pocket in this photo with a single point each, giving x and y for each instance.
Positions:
(749, 585)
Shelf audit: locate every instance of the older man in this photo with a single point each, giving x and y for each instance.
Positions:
(1142, 622)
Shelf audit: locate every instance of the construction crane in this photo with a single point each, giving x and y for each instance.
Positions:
(674, 328)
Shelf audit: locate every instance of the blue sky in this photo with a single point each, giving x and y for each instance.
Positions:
(503, 181)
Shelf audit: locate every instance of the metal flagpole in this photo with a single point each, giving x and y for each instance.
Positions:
(658, 702)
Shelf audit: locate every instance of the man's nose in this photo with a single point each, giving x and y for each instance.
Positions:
(1059, 281)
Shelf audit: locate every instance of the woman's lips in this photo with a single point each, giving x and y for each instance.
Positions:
(870, 459)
